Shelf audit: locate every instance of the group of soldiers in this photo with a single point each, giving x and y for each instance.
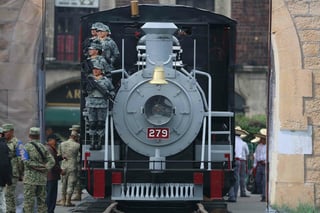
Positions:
(101, 55)
(39, 166)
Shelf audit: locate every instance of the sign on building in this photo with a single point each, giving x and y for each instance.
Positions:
(77, 3)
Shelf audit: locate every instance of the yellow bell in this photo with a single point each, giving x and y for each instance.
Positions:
(158, 76)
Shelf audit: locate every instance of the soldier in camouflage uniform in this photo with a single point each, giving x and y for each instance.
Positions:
(94, 52)
(78, 188)
(94, 38)
(109, 48)
(37, 162)
(17, 166)
(97, 105)
(69, 150)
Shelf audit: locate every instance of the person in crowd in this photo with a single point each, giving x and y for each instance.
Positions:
(109, 47)
(54, 174)
(5, 171)
(37, 162)
(97, 104)
(17, 166)
(78, 188)
(260, 159)
(70, 151)
(241, 153)
(243, 165)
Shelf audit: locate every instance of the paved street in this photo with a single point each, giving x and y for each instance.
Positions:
(251, 204)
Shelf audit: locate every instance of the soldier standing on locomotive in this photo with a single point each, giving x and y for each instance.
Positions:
(94, 54)
(99, 89)
(93, 39)
(109, 48)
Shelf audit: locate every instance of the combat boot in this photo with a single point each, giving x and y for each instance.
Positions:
(68, 201)
(77, 197)
(62, 201)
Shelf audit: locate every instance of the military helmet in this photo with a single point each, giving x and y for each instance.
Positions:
(95, 46)
(7, 127)
(34, 131)
(96, 64)
(103, 28)
(95, 25)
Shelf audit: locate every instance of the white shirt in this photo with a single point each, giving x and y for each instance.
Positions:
(241, 148)
(260, 154)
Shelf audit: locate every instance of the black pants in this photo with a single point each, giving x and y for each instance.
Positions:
(52, 191)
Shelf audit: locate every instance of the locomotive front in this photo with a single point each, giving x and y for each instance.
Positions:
(158, 111)
(168, 135)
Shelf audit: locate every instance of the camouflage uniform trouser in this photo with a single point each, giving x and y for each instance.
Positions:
(77, 187)
(2, 200)
(68, 182)
(32, 191)
(11, 196)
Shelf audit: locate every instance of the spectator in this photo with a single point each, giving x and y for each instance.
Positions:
(53, 175)
(5, 171)
(259, 164)
(17, 166)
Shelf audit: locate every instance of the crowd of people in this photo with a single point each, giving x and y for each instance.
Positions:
(39, 166)
(241, 165)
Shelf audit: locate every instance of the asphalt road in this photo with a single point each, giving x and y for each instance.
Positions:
(250, 204)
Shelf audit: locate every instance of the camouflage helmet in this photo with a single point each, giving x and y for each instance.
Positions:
(34, 131)
(95, 25)
(96, 64)
(103, 28)
(7, 127)
(95, 46)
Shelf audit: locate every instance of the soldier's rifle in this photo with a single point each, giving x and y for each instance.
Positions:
(94, 85)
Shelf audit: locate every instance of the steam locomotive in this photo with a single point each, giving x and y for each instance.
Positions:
(169, 133)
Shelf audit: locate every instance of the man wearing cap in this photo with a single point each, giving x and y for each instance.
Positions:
(77, 189)
(259, 164)
(53, 174)
(5, 171)
(17, 166)
(97, 105)
(69, 150)
(109, 48)
(241, 153)
(37, 162)
(94, 51)
(94, 38)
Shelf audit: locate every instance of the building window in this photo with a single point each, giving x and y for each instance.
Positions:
(67, 32)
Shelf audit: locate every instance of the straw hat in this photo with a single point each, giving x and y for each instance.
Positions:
(262, 133)
(241, 132)
(255, 140)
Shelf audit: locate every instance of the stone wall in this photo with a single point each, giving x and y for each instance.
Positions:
(294, 113)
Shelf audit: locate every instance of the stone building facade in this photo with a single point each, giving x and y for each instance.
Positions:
(294, 145)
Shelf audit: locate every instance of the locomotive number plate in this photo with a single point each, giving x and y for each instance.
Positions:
(158, 133)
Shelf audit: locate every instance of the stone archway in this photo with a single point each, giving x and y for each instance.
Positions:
(290, 135)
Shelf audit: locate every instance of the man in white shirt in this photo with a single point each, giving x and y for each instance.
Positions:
(260, 157)
(241, 153)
